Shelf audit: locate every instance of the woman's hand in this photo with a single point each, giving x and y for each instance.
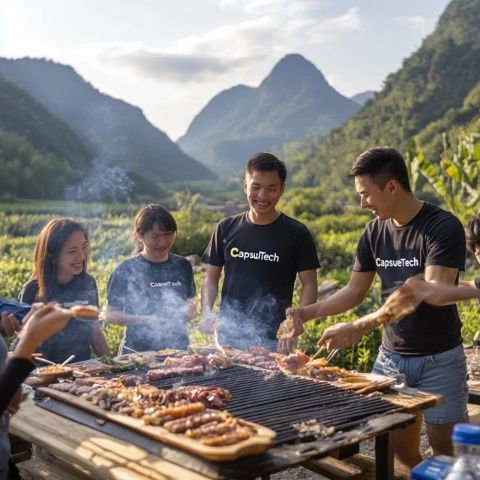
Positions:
(9, 324)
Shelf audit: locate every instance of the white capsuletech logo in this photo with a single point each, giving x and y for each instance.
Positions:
(397, 262)
(263, 256)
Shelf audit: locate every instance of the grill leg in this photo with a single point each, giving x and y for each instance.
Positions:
(384, 456)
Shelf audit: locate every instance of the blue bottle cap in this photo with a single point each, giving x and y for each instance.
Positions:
(466, 433)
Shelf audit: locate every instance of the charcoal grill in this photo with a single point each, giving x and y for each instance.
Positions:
(279, 401)
(276, 401)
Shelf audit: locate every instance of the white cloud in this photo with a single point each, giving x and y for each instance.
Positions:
(331, 27)
(232, 48)
(165, 66)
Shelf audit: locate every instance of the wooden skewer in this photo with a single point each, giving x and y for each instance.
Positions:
(375, 386)
(69, 359)
(44, 360)
(217, 343)
(332, 354)
(318, 353)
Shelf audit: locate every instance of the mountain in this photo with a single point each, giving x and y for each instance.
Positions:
(39, 154)
(118, 133)
(294, 100)
(363, 97)
(436, 89)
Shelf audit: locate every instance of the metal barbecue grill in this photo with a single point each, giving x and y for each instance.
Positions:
(276, 401)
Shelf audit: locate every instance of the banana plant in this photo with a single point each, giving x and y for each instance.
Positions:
(455, 178)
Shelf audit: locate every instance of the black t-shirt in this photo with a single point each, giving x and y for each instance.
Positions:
(433, 237)
(76, 336)
(261, 262)
(140, 287)
(477, 282)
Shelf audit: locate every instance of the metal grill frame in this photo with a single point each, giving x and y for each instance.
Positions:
(281, 455)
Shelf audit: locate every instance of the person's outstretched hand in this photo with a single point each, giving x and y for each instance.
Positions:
(41, 322)
(208, 323)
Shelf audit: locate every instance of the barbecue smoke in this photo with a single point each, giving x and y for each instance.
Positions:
(105, 182)
(243, 326)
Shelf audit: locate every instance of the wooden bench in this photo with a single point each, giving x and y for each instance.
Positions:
(357, 467)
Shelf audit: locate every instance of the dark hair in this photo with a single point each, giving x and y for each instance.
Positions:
(49, 244)
(472, 233)
(147, 217)
(382, 164)
(266, 162)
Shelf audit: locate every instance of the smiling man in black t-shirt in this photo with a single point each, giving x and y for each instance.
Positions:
(261, 252)
(407, 237)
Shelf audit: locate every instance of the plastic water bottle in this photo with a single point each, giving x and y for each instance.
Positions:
(466, 445)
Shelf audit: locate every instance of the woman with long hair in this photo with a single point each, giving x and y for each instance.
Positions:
(152, 292)
(60, 275)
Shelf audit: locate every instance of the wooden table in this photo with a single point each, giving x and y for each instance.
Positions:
(100, 456)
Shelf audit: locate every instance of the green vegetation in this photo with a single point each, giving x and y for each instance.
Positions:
(436, 90)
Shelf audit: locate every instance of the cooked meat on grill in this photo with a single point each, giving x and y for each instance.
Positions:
(213, 429)
(294, 362)
(179, 410)
(186, 361)
(193, 421)
(210, 396)
(258, 357)
(228, 438)
(217, 360)
(161, 373)
(313, 428)
(175, 412)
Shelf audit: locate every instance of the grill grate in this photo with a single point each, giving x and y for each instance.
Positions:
(278, 401)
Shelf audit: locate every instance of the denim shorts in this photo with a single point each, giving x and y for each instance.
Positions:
(443, 373)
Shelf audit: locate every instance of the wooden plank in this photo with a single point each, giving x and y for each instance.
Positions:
(414, 402)
(40, 469)
(103, 456)
(257, 443)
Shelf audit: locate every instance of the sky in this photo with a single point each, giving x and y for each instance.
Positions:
(170, 57)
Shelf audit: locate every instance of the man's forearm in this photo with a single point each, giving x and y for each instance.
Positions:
(309, 295)
(117, 317)
(339, 302)
(440, 294)
(209, 295)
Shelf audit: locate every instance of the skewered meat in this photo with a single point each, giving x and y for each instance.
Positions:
(162, 373)
(187, 361)
(217, 360)
(213, 429)
(258, 357)
(228, 438)
(294, 362)
(181, 410)
(193, 421)
(175, 412)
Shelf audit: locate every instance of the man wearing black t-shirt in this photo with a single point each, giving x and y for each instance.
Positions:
(407, 237)
(261, 252)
